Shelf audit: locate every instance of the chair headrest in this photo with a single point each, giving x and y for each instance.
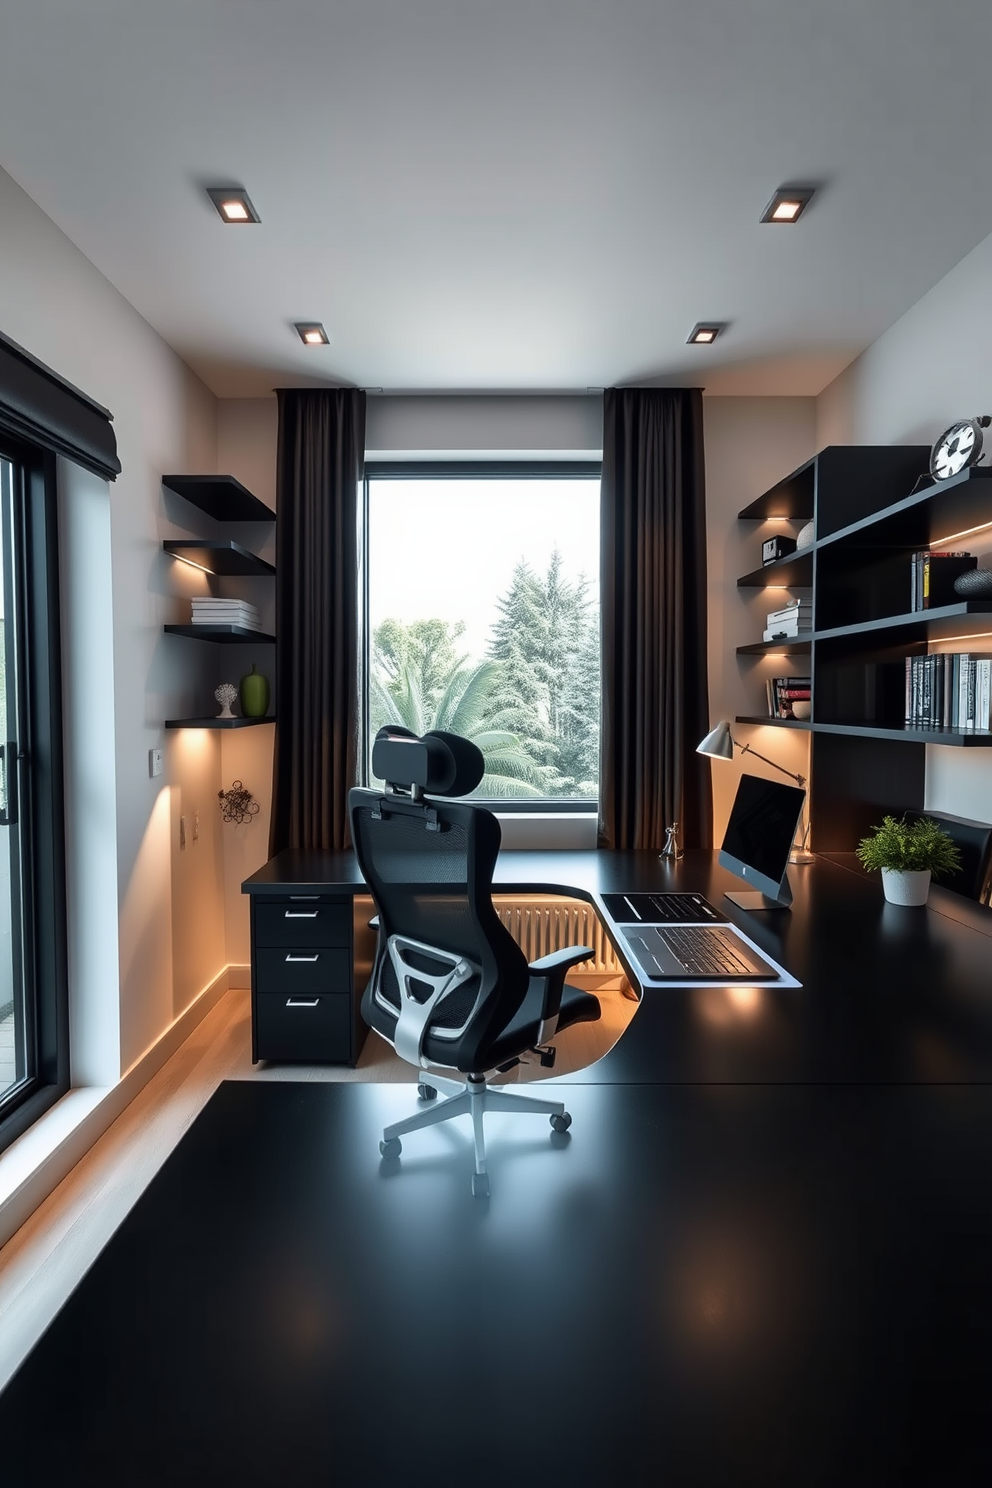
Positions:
(437, 763)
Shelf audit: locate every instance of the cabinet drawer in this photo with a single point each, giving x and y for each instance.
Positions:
(311, 1029)
(293, 969)
(289, 922)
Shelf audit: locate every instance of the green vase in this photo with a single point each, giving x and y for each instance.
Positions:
(254, 693)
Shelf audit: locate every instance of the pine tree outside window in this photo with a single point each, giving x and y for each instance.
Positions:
(482, 618)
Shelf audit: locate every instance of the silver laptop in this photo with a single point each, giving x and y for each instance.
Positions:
(698, 953)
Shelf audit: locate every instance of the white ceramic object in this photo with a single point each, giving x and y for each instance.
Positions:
(805, 536)
(906, 887)
(801, 708)
(225, 694)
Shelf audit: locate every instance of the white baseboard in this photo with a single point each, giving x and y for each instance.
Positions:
(34, 1165)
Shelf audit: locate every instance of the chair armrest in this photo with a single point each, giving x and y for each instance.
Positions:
(566, 957)
(551, 971)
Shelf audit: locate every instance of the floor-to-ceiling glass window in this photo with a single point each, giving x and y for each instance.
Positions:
(33, 1035)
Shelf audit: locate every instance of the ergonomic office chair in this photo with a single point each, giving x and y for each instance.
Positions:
(450, 987)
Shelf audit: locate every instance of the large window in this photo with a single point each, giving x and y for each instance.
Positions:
(483, 619)
(33, 1010)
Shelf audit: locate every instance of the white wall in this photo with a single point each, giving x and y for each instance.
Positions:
(55, 304)
(932, 367)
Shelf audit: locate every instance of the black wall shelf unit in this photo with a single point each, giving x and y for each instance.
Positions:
(872, 508)
(225, 499)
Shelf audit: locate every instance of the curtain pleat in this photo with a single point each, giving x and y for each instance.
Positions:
(655, 693)
(320, 470)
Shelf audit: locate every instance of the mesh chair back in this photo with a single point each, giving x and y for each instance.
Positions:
(435, 887)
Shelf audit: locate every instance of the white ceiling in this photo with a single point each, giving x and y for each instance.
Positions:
(506, 194)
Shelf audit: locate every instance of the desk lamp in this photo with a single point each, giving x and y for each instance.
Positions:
(719, 744)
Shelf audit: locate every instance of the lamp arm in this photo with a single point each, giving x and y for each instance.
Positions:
(746, 749)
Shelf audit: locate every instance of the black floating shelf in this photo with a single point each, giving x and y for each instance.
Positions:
(794, 572)
(215, 723)
(221, 633)
(791, 498)
(221, 497)
(966, 738)
(793, 723)
(793, 646)
(935, 619)
(220, 557)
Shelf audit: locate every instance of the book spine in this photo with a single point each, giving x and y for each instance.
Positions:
(969, 721)
(946, 689)
(907, 709)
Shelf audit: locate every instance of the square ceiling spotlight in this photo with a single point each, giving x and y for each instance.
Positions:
(312, 333)
(704, 333)
(233, 204)
(788, 204)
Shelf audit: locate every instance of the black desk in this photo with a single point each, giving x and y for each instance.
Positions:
(889, 995)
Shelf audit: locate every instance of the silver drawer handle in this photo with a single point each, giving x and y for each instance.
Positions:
(299, 1002)
(305, 898)
(301, 958)
(300, 914)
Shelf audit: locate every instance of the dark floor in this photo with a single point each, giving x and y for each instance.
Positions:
(701, 1285)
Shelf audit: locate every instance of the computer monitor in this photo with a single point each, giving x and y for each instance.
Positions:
(759, 838)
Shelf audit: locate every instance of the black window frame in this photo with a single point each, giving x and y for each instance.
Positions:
(464, 469)
(40, 786)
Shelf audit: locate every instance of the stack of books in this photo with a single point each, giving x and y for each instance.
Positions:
(951, 690)
(796, 618)
(783, 692)
(932, 578)
(210, 611)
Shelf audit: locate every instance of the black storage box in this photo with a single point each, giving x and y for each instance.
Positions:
(778, 546)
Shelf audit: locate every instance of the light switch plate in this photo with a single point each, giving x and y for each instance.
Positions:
(154, 762)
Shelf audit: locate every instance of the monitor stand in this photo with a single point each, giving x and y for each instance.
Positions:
(752, 899)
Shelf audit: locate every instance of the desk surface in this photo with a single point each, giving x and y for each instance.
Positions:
(889, 995)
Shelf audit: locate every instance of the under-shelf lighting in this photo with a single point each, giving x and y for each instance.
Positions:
(233, 204)
(938, 542)
(788, 204)
(974, 635)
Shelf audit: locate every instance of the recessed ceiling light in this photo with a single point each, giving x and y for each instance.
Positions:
(233, 204)
(788, 204)
(312, 333)
(702, 334)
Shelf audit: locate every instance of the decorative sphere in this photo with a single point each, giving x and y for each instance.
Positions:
(975, 584)
(226, 693)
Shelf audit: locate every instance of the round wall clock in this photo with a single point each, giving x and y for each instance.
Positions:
(958, 447)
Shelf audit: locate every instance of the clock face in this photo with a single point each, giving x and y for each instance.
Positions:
(958, 446)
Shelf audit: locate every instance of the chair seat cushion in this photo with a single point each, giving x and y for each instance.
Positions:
(523, 1030)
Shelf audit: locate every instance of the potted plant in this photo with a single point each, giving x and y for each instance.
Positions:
(908, 853)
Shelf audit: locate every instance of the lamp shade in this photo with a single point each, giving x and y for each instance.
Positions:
(718, 742)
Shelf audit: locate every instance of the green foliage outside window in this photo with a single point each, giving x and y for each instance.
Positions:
(532, 705)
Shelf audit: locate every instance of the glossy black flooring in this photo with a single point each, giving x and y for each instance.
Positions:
(702, 1285)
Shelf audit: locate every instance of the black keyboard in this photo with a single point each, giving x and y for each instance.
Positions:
(667, 909)
(705, 952)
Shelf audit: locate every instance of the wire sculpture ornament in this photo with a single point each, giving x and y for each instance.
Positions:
(237, 805)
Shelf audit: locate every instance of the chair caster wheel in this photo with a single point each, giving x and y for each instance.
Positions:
(480, 1185)
(561, 1123)
(391, 1149)
(426, 1092)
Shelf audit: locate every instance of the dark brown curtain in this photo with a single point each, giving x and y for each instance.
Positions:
(655, 697)
(319, 476)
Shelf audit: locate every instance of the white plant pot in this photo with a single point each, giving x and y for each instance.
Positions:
(906, 887)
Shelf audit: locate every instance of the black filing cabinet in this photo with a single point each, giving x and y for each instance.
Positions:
(304, 998)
